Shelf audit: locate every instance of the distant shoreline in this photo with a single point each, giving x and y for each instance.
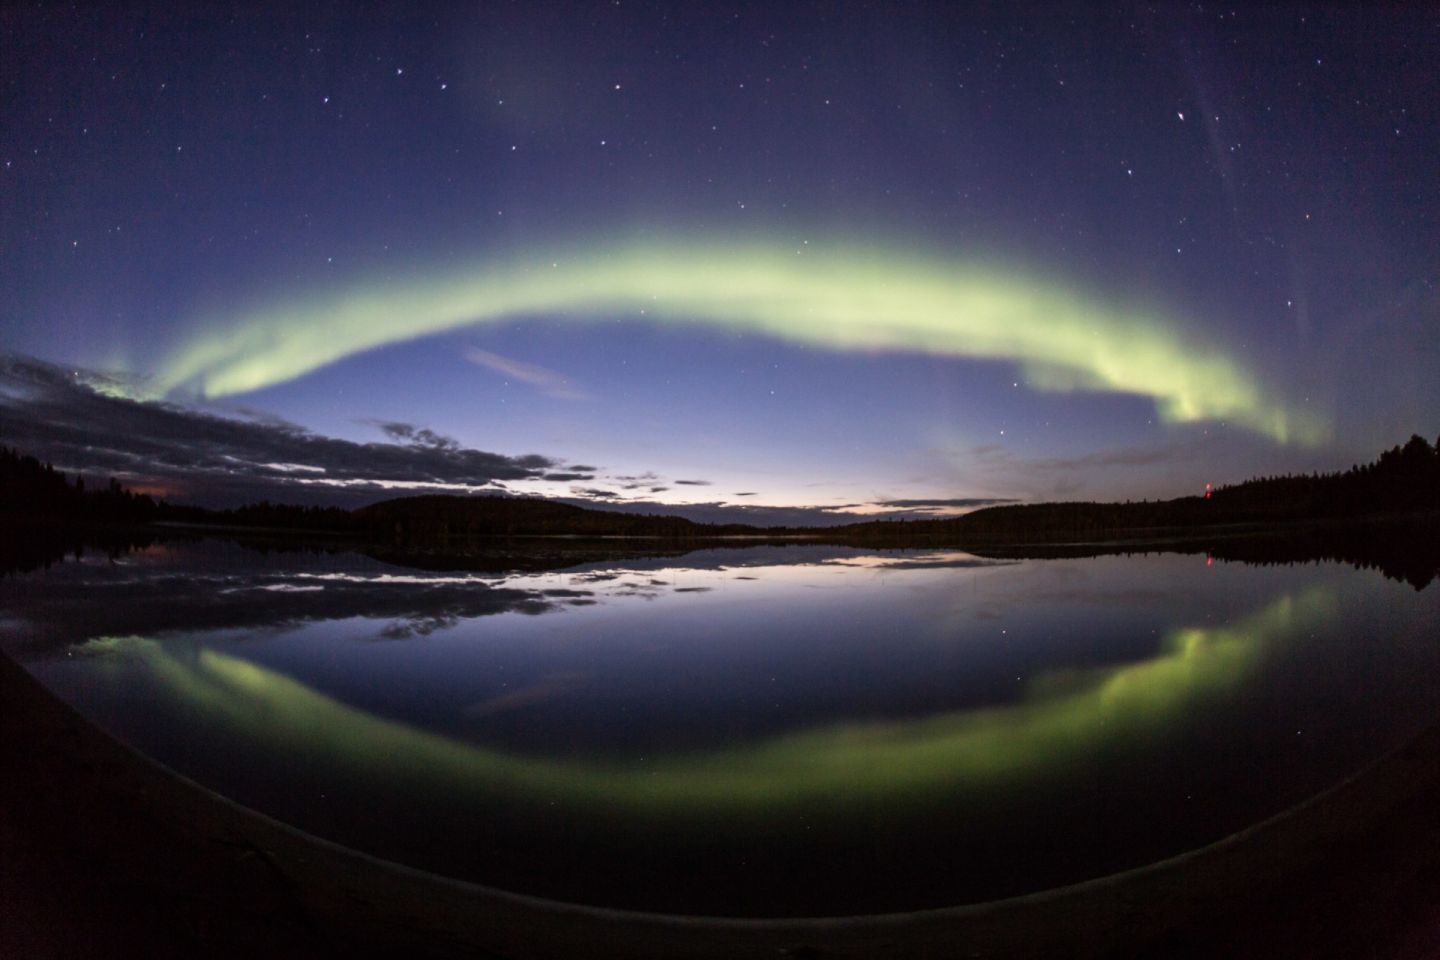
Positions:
(1384, 514)
(1402, 546)
(889, 532)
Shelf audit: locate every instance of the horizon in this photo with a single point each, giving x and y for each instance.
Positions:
(759, 517)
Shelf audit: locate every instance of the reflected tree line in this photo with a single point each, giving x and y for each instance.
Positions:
(1406, 550)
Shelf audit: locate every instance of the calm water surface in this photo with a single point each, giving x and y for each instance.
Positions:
(764, 730)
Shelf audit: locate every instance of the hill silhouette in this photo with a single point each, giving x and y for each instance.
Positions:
(441, 517)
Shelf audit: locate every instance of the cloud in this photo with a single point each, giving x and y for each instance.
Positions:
(417, 436)
(59, 415)
(547, 688)
(931, 563)
(593, 493)
(966, 502)
(547, 381)
(637, 482)
(846, 298)
(1117, 472)
(255, 593)
(1131, 457)
(717, 511)
(745, 493)
(994, 454)
(567, 476)
(694, 483)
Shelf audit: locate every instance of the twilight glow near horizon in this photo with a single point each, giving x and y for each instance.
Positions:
(744, 256)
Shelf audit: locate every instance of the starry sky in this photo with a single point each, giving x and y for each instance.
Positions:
(783, 262)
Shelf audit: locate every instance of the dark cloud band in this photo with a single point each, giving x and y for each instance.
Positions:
(78, 423)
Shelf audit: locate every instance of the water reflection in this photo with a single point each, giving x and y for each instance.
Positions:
(824, 728)
(137, 598)
(1061, 714)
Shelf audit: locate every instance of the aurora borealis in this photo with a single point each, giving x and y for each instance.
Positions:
(852, 303)
(787, 262)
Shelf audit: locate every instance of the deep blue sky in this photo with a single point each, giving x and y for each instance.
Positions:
(1260, 185)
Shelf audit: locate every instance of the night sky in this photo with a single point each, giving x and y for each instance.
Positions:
(795, 256)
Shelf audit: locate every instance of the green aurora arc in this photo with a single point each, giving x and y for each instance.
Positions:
(849, 299)
(821, 773)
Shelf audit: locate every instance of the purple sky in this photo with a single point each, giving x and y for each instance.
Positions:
(1229, 219)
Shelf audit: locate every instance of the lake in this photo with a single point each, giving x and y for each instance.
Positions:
(766, 730)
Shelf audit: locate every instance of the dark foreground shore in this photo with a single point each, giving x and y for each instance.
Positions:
(106, 854)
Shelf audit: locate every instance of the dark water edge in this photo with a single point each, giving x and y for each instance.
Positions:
(105, 854)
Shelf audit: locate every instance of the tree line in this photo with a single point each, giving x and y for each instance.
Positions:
(1404, 479)
(37, 491)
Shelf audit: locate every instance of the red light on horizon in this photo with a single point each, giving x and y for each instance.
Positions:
(1207, 491)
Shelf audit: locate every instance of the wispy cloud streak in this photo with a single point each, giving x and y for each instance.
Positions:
(548, 382)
